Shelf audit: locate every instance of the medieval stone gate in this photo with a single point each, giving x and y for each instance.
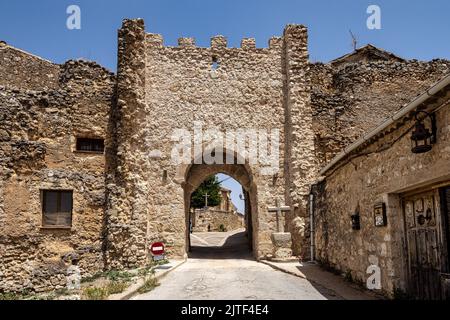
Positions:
(78, 132)
(164, 90)
(193, 175)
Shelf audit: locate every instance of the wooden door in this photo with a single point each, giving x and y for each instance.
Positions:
(444, 194)
(424, 240)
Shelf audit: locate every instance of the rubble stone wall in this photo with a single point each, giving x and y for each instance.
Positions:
(212, 220)
(380, 174)
(133, 194)
(39, 123)
(19, 69)
(354, 98)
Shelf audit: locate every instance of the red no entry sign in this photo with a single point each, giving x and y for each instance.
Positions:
(157, 248)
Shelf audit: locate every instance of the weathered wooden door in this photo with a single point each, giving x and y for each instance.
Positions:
(424, 241)
(444, 194)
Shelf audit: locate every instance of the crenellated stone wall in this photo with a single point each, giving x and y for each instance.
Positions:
(161, 89)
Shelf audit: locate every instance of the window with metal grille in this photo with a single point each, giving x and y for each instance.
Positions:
(90, 145)
(57, 208)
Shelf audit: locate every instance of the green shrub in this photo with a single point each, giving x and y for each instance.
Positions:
(48, 297)
(163, 262)
(147, 270)
(114, 287)
(115, 275)
(222, 228)
(9, 296)
(95, 293)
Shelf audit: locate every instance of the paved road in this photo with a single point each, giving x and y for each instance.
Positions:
(221, 267)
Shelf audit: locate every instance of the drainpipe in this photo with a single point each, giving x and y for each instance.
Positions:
(311, 228)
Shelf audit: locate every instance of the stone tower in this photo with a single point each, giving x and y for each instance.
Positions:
(161, 89)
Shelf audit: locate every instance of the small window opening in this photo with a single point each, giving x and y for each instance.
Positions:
(164, 178)
(57, 208)
(215, 63)
(90, 145)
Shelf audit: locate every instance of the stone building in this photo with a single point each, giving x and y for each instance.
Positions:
(45, 112)
(224, 217)
(382, 203)
(85, 155)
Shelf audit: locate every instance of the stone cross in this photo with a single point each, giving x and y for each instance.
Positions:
(206, 199)
(278, 209)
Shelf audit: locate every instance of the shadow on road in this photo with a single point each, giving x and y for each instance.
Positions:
(235, 247)
(333, 286)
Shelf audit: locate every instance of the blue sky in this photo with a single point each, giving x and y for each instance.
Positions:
(412, 29)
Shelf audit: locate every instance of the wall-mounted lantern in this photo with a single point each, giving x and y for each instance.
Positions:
(422, 138)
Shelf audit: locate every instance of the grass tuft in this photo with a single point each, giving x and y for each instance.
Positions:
(149, 284)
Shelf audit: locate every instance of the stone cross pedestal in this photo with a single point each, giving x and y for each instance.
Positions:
(282, 241)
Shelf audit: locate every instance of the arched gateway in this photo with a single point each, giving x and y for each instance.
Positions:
(184, 113)
(195, 174)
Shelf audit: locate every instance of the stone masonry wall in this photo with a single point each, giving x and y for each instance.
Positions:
(301, 164)
(133, 194)
(180, 87)
(20, 69)
(42, 111)
(357, 185)
(245, 91)
(215, 218)
(127, 189)
(350, 100)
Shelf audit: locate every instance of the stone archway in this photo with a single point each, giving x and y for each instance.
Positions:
(146, 188)
(197, 173)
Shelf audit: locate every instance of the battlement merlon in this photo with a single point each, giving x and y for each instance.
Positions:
(154, 40)
(293, 33)
(248, 43)
(295, 37)
(219, 42)
(275, 43)
(186, 42)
